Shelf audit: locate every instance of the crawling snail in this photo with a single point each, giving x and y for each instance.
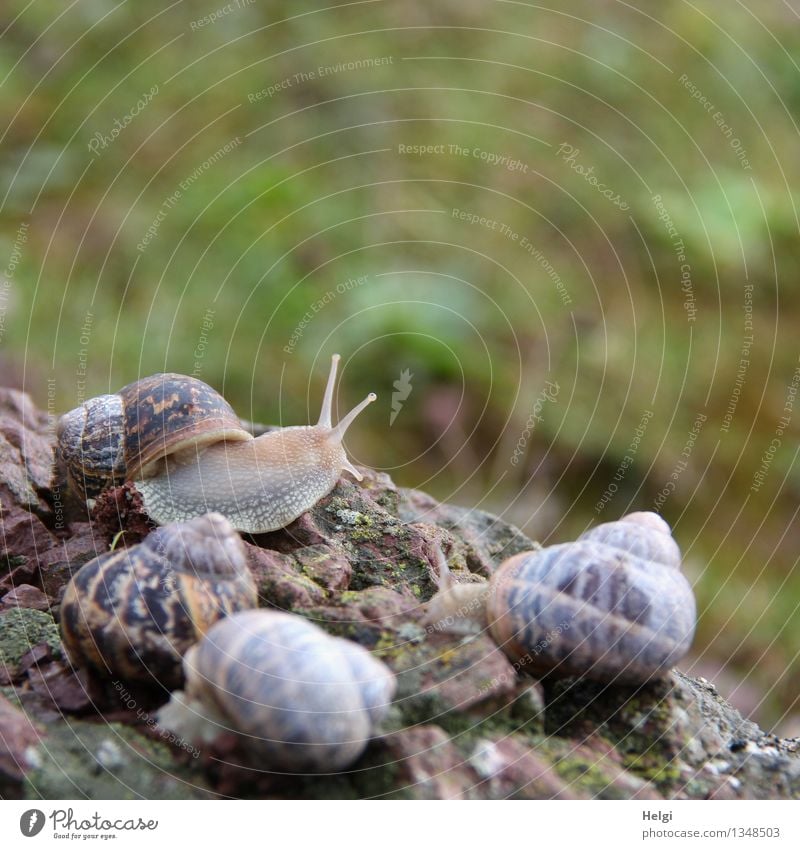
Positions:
(613, 605)
(134, 612)
(189, 454)
(295, 698)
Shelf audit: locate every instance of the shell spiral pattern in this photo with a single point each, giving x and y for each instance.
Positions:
(296, 698)
(612, 606)
(133, 613)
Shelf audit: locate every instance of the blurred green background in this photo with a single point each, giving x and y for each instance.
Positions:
(233, 190)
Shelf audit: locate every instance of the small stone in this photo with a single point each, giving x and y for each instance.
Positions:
(22, 534)
(25, 595)
(109, 755)
(59, 563)
(66, 688)
(26, 453)
(36, 655)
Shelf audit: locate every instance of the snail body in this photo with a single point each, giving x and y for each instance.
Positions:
(295, 698)
(612, 605)
(188, 453)
(134, 612)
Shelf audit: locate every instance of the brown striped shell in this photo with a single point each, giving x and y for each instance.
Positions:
(296, 698)
(113, 438)
(133, 613)
(613, 605)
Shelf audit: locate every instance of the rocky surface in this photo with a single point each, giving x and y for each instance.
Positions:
(463, 724)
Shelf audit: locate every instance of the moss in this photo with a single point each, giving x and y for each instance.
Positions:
(10, 562)
(389, 500)
(639, 722)
(11, 694)
(652, 766)
(347, 596)
(108, 761)
(364, 534)
(375, 776)
(22, 628)
(586, 775)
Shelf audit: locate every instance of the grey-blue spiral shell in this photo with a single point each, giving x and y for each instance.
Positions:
(298, 699)
(612, 606)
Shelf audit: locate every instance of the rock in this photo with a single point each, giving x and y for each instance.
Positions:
(85, 760)
(280, 581)
(489, 540)
(24, 595)
(360, 564)
(23, 537)
(19, 737)
(437, 676)
(66, 688)
(326, 567)
(20, 630)
(26, 455)
(59, 563)
(511, 770)
(426, 764)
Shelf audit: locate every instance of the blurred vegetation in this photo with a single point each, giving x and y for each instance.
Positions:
(314, 189)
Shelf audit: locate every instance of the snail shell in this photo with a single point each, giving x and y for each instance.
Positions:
(113, 438)
(133, 613)
(189, 454)
(612, 606)
(297, 699)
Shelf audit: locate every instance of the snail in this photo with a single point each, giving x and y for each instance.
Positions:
(132, 613)
(188, 453)
(295, 698)
(612, 606)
